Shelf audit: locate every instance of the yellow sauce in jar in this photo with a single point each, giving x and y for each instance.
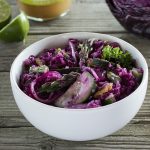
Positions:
(44, 9)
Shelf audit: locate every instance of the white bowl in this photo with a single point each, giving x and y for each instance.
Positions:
(77, 124)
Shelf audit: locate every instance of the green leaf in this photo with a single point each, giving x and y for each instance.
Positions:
(116, 55)
(107, 102)
(126, 60)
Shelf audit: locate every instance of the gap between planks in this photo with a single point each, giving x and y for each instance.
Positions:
(131, 136)
(95, 17)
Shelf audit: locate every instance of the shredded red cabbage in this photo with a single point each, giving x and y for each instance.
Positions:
(109, 74)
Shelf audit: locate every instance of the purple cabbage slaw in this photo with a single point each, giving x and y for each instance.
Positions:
(47, 76)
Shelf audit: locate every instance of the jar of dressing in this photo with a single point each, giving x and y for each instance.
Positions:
(41, 10)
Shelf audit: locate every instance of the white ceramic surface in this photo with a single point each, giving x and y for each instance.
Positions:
(77, 124)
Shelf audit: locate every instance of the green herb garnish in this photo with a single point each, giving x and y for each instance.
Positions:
(107, 102)
(116, 55)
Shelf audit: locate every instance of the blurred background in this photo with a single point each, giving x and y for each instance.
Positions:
(84, 15)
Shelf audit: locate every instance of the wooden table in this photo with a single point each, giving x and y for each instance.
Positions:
(16, 133)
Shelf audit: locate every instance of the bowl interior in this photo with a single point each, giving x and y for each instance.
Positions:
(60, 41)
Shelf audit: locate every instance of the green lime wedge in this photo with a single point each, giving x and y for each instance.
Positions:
(40, 2)
(5, 13)
(16, 30)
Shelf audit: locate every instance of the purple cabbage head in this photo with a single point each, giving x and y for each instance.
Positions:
(134, 15)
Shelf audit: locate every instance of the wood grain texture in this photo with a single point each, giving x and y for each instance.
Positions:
(138, 135)
(16, 133)
(84, 16)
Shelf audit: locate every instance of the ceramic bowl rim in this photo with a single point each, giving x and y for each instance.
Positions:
(144, 79)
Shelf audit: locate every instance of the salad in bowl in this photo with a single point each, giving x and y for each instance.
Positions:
(83, 74)
(79, 86)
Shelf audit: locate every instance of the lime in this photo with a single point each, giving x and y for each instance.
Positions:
(16, 30)
(40, 2)
(5, 13)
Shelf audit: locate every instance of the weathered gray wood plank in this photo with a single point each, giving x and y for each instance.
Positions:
(84, 16)
(16, 122)
(131, 137)
(5, 63)
(16, 133)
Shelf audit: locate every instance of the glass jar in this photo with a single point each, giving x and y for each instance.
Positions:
(41, 10)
